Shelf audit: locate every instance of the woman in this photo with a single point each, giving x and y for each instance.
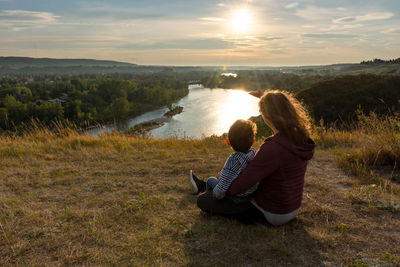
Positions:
(279, 165)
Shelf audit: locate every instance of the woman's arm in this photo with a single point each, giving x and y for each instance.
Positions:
(264, 163)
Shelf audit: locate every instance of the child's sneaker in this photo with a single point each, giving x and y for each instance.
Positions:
(196, 185)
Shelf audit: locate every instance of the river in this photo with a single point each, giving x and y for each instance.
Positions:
(206, 112)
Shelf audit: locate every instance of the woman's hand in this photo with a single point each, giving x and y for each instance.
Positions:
(257, 93)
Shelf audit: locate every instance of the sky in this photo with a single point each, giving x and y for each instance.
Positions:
(194, 32)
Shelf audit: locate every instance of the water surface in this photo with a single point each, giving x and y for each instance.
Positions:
(206, 112)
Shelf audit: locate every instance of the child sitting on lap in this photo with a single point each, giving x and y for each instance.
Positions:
(241, 137)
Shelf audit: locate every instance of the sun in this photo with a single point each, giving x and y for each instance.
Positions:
(241, 21)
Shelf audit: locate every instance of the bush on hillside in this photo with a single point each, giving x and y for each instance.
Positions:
(337, 100)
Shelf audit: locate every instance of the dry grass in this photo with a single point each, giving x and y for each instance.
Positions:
(376, 140)
(370, 152)
(66, 199)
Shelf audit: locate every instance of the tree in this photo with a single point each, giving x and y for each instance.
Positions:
(119, 108)
(111, 89)
(16, 111)
(49, 112)
(3, 118)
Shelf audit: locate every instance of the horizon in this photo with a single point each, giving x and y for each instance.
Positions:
(216, 33)
(165, 65)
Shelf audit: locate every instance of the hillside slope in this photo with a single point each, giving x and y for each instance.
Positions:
(117, 200)
(339, 98)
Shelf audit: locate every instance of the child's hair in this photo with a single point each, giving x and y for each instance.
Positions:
(241, 135)
(286, 114)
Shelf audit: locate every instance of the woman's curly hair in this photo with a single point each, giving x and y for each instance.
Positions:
(286, 114)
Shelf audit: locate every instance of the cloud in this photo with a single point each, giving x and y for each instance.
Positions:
(221, 4)
(341, 27)
(338, 15)
(366, 17)
(155, 10)
(318, 13)
(244, 45)
(328, 35)
(392, 30)
(27, 16)
(292, 5)
(243, 51)
(213, 19)
(115, 13)
(271, 38)
(276, 52)
(23, 19)
(195, 44)
(375, 16)
(345, 20)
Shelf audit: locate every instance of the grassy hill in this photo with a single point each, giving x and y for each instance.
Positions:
(67, 199)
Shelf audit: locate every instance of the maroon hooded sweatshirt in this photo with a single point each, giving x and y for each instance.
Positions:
(279, 165)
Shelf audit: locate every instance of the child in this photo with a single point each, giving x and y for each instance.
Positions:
(241, 137)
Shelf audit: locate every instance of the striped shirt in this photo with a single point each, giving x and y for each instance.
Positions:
(232, 168)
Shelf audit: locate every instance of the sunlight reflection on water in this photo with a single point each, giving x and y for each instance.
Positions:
(209, 111)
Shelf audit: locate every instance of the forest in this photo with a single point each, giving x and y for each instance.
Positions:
(84, 101)
(93, 99)
(380, 61)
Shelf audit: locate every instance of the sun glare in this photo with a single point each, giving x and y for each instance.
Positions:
(229, 111)
(241, 21)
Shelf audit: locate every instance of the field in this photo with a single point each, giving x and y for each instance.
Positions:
(67, 199)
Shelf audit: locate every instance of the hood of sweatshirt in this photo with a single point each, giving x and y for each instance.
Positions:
(304, 151)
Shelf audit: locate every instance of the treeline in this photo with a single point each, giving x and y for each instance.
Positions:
(84, 101)
(337, 100)
(378, 61)
(261, 80)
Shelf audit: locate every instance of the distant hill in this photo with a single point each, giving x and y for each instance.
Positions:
(21, 62)
(51, 66)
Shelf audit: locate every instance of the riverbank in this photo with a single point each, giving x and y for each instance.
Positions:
(144, 127)
(118, 200)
